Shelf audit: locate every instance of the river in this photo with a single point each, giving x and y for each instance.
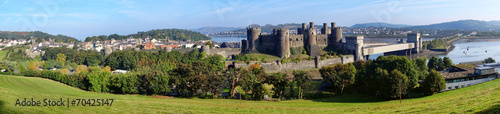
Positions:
(479, 49)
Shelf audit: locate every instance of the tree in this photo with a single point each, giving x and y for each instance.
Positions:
(433, 63)
(64, 71)
(489, 60)
(440, 64)
(301, 78)
(140, 46)
(183, 78)
(233, 76)
(280, 82)
(81, 68)
(33, 65)
(98, 80)
(421, 67)
(61, 58)
(107, 69)
(22, 69)
(49, 64)
(393, 85)
(433, 83)
(403, 65)
(447, 62)
(340, 75)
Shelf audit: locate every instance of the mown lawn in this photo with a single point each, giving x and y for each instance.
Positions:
(482, 97)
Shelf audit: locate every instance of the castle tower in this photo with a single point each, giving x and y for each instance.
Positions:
(310, 37)
(283, 42)
(244, 46)
(416, 39)
(336, 37)
(252, 36)
(311, 25)
(355, 46)
(303, 29)
(33, 41)
(206, 49)
(325, 29)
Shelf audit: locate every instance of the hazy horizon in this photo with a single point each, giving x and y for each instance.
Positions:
(80, 19)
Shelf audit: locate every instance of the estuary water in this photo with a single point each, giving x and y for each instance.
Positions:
(227, 39)
(479, 49)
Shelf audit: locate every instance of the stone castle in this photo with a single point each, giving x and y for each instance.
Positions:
(281, 41)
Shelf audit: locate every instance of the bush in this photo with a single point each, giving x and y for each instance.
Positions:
(48, 64)
(98, 80)
(303, 51)
(32, 73)
(292, 51)
(22, 69)
(124, 83)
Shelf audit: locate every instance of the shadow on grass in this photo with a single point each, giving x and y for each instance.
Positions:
(2, 107)
(492, 110)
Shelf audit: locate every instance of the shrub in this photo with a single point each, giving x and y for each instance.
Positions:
(32, 73)
(303, 51)
(98, 80)
(124, 83)
(65, 71)
(292, 51)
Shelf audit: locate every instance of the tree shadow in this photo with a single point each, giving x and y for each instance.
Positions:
(2, 107)
(492, 110)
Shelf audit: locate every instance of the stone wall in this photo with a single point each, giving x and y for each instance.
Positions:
(225, 52)
(322, 40)
(276, 66)
(296, 40)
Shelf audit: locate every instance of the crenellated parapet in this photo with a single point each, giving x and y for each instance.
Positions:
(280, 40)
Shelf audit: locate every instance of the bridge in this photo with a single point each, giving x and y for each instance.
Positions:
(355, 46)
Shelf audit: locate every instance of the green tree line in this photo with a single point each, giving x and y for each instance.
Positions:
(172, 34)
(387, 77)
(36, 34)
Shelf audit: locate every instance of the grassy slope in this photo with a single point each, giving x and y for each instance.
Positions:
(3, 53)
(471, 99)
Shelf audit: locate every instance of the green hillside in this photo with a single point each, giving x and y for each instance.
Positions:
(37, 34)
(172, 34)
(479, 98)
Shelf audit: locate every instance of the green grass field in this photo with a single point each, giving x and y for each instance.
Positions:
(3, 53)
(478, 98)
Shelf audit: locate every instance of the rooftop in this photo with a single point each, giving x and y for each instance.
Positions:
(483, 68)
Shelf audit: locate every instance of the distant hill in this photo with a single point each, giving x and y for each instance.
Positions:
(172, 34)
(497, 23)
(214, 29)
(380, 24)
(462, 25)
(268, 28)
(37, 34)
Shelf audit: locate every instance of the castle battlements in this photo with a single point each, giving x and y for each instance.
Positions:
(281, 41)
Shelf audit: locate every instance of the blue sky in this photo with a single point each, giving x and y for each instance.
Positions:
(82, 18)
